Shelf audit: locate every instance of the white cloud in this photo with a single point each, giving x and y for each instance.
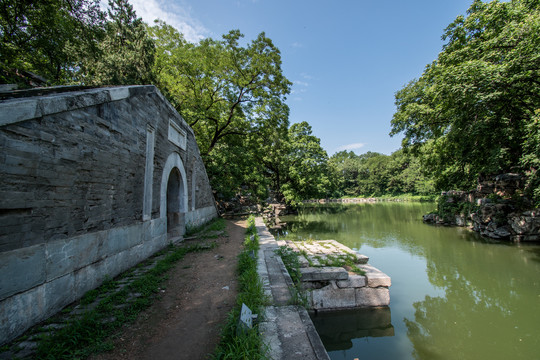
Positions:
(172, 14)
(300, 83)
(349, 147)
(297, 45)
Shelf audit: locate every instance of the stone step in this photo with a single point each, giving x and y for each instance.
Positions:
(323, 273)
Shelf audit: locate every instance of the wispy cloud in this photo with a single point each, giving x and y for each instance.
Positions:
(349, 147)
(297, 45)
(177, 16)
(299, 87)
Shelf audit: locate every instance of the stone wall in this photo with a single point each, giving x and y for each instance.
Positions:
(92, 182)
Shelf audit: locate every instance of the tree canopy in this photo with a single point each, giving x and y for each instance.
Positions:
(469, 112)
(47, 38)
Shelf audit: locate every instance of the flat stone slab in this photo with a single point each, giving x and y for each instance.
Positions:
(323, 273)
(375, 277)
(289, 333)
(354, 281)
(319, 251)
(367, 296)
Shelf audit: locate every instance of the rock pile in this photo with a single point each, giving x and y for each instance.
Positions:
(495, 210)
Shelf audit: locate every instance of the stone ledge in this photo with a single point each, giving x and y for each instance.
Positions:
(323, 274)
(375, 277)
(21, 109)
(354, 281)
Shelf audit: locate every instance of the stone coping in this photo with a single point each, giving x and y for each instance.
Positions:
(287, 330)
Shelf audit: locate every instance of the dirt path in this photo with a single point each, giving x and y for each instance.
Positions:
(185, 321)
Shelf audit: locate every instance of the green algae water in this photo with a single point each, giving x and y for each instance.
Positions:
(454, 295)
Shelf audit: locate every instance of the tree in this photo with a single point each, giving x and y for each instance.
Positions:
(47, 39)
(345, 166)
(306, 164)
(470, 108)
(221, 88)
(126, 54)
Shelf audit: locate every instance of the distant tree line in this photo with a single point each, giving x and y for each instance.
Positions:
(475, 110)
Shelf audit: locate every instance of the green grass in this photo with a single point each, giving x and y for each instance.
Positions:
(90, 333)
(209, 230)
(245, 344)
(292, 264)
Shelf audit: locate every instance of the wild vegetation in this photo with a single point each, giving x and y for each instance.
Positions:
(474, 111)
(236, 341)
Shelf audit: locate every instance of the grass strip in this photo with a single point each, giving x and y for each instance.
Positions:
(87, 334)
(247, 344)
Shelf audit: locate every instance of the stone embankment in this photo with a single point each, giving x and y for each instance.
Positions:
(496, 209)
(341, 201)
(287, 329)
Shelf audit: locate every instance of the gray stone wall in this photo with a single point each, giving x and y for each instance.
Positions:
(76, 170)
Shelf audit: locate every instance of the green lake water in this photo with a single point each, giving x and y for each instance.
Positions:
(454, 295)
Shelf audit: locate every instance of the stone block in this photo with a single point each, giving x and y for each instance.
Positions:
(368, 296)
(333, 298)
(354, 281)
(88, 278)
(62, 285)
(68, 255)
(18, 110)
(375, 277)
(323, 274)
(119, 93)
(19, 312)
(21, 269)
(122, 238)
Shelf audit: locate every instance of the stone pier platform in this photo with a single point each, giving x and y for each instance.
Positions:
(336, 277)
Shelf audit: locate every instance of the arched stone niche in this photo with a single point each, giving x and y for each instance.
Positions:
(173, 195)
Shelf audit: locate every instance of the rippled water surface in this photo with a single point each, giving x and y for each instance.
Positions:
(454, 295)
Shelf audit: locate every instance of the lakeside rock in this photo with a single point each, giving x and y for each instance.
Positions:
(495, 210)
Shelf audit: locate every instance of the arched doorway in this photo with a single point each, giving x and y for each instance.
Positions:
(175, 212)
(173, 196)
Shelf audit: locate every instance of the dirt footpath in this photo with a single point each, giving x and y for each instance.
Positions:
(185, 321)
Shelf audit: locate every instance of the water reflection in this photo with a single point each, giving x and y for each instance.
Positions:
(454, 295)
(337, 329)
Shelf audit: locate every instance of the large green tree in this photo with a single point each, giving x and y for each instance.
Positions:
(47, 38)
(126, 54)
(233, 96)
(305, 164)
(469, 111)
(221, 88)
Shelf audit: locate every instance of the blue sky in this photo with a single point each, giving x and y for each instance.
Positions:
(346, 58)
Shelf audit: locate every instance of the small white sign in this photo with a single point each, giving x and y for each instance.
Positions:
(246, 316)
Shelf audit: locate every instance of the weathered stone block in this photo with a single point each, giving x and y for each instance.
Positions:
(122, 238)
(375, 277)
(61, 285)
(18, 110)
(19, 312)
(21, 269)
(354, 281)
(333, 298)
(323, 274)
(368, 296)
(65, 256)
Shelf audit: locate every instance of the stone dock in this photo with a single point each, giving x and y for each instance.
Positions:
(287, 329)
(336, 277)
